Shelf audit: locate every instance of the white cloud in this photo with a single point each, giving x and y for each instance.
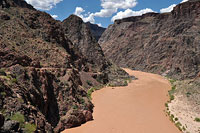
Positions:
(79, 11)
(86, 17)
(99, 24)
(90, 18)
(106, 12)
(129, 12)
(168, 9)
(54, 16)
(184, 1)
(122, 4)
(43, 4)
(111, 6)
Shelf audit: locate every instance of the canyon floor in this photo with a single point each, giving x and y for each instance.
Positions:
(136, 108)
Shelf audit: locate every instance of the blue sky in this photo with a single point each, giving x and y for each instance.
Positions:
(102, 12)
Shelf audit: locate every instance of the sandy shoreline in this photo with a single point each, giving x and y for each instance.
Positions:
(137, 108)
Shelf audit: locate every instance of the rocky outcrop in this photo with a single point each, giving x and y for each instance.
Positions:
(81, 36)
(96, 30)
(165, 43)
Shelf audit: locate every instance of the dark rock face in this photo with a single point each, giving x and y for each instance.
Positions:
(96, 30)
(162, 43)
(2, 119)
(81, 36)
(15, 3)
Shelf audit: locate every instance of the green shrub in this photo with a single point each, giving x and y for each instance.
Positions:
(184, 128)
(3, 94)
(197, 119)
(9, 77)
(89, 92)
(172, 81)
(176, 119)
(18, 117)
(82, 101)
(173, 88)
(188, 94)
(29, 128)
(125, 83)
(171, 97)
(178, 125)
(111, 85)
(2, 72)
(89, 82)
(75, 107)
(14, 80)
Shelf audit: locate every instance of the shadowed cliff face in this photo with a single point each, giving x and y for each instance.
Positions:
(161, 43)
(96, 30)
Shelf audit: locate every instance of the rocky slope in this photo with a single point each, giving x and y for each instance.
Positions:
(41, 72)
(96, 30)
(161, 43)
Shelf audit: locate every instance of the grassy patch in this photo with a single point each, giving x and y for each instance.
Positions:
(171, 96)
(172, 91)
(29, 128)
(18, 117)
(89, 93)
(172, 81)
(14, 80)
(91, 90)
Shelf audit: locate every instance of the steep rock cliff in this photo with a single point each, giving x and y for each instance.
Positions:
(165, 43)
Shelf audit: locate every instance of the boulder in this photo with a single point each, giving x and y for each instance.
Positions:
(11, 126)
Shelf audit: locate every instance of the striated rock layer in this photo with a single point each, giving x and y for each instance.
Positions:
(165, 43)
(42, 72)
